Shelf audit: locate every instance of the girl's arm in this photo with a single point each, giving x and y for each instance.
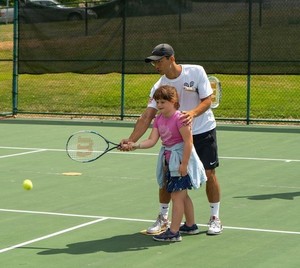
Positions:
(186, 134)
(150, 142)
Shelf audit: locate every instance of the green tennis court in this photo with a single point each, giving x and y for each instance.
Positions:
(94, 219)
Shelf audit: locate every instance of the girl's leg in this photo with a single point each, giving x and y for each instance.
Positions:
(189, 211)
(178, 206)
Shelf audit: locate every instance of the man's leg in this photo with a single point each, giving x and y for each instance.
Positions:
(164, 196)
(213, 196)
(161, 222)
(212, 186)
(207, 150)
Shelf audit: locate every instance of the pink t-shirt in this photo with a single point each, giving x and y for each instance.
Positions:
(168, 128)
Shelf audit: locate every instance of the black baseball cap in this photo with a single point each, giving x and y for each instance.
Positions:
(160, 51)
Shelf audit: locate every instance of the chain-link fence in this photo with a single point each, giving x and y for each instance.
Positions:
(93, 65)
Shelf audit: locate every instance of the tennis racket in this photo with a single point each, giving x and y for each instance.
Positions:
(217, 91)
(87, 146)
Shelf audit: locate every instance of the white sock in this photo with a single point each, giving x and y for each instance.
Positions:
(164, 209)
(214, 209)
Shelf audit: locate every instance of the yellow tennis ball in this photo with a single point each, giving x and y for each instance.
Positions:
(27, 184)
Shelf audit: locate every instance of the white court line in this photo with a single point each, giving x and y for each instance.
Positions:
(31, 152)
(50, 235)
(101, 218)
(150, 154)
(260, 159)
(51, 213)
(262, 230)
(32, 149)
(228, 157)
(137, 220)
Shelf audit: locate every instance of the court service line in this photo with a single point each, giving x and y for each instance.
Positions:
(51, 213)
(260, 159)
(229, 157)
(31, 149)
(31, 152)
(263, 230)
(149, 154)
(51, 235)
(143, 220)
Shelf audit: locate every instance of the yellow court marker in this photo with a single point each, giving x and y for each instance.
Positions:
(144, 232)
(72, 173)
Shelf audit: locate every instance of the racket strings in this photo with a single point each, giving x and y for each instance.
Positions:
(85, 147)
(217, 91)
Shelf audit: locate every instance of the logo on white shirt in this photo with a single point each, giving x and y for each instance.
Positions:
(190, 87)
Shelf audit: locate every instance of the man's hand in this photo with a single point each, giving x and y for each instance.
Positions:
(127, 145)
(186, 117)
(124, 145)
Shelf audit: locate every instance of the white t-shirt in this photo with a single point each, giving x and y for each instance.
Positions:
(192, 85)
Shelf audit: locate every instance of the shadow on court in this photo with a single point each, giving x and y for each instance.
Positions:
(286, 196)
(120, 243)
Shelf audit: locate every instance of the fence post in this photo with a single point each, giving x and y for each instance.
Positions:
(249, 59)
(123, 6)
(15, 59)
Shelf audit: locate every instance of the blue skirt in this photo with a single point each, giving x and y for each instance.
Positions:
(174, 184)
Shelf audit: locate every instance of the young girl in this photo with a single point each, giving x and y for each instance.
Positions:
(178, 166)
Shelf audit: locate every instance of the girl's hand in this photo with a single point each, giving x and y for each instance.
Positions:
(183, 170)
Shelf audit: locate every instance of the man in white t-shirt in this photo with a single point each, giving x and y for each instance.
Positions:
(194, 92)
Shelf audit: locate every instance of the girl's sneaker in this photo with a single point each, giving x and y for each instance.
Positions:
(168, 236)
(191, 230)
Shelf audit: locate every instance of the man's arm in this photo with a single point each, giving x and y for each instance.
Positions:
(201, 108)
(141, 125)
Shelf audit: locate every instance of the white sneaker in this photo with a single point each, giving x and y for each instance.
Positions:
(161, 224)
(214, 226)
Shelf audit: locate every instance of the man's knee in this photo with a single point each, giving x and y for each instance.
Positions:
(211, 175)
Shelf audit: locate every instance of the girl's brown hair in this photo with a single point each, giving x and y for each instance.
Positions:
(167, 93)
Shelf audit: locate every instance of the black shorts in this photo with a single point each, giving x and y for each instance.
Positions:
(207, 148)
